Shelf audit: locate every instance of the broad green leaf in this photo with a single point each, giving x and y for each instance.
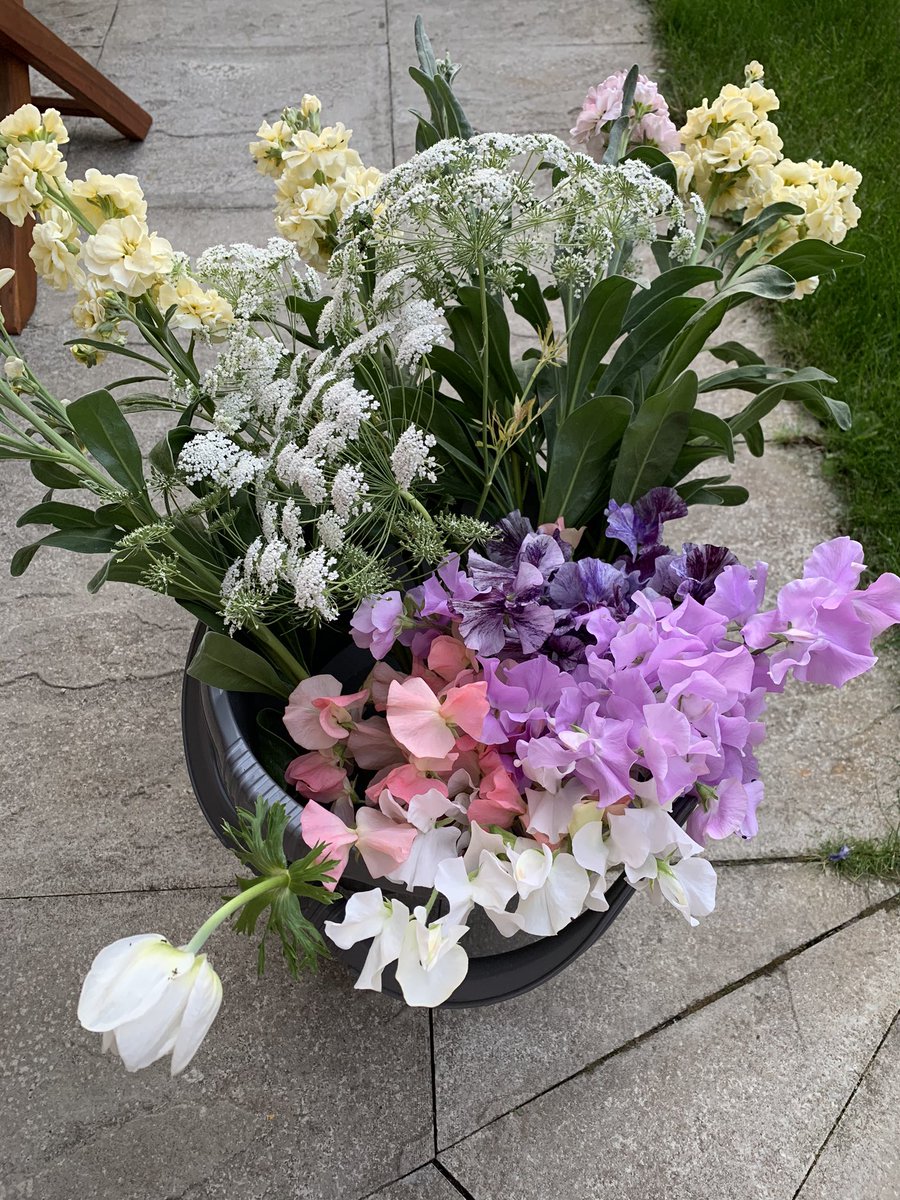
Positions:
(309, 310)
(98, 540)
(598, 324)
(584, 443)
(714, 428)
(99, 424)
(164, 455)
(499, 362)
(675, 282)
(222, 662)
(528, 301)
(736, 352)
(765, 220)
(770, 397)
(653, 440)
(649, 338)
(52, 475)
(810, 257)
(618, 134)
(59, 515)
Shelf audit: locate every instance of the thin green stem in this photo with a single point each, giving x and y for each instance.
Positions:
(231, 906)
(280, 653)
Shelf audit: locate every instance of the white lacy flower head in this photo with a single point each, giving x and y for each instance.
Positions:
(411, 458)
(255, 279)
(214, 456)
(488, 205)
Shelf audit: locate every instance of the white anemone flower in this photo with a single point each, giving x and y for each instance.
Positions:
(149, 998)
(431, 965)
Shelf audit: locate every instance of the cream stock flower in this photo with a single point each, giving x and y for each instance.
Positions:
(310, 105)
(90, 308)
(273, 141)
(27, 123)
(101, 196)
(55, 250)
(125, 257)
(20, 189)
(326, 151)
(195, 308)
(357, 183)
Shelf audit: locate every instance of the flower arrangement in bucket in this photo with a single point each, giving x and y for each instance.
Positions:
(546, 699)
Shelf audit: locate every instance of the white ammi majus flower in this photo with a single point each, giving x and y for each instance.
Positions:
(149, 998)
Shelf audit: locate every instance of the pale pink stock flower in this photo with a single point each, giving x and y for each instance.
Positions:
(603, 105)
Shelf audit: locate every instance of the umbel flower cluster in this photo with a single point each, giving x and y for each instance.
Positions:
(443, 413)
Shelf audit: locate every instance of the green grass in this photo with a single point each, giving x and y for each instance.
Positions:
(834, 65)
(865, 859)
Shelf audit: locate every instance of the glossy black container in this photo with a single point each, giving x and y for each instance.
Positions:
(226, 775)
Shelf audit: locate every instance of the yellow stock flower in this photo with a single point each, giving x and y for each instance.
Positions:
(20, 178)
(124, 257)
(195, 308)
(55, 248)
(268, 151)
(29, 124)
(101, 196)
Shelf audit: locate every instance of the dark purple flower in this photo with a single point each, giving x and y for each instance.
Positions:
(512, 531)
(639, 525)
(692, 573)
(590, 583)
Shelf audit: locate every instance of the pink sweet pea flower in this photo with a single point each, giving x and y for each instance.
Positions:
(497, 801)
(448, 657)
(317, 776)
(403, 782)
(379, 681)
(425, 725)
(317, 715)
(319, 826)
(383, 843)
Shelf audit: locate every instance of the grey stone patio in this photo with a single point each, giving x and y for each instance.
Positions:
(755, 1057)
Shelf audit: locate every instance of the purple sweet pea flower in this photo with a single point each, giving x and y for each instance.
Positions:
(639, 525)
(376, 624)
(692, 573)
(512, 531)
(603, 755)
(513, 614)
(590, 583)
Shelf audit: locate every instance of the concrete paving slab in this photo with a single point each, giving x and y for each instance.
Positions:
(267, 1108)
(224, 24)
(95, 796)
(425, 1184)
(861, 1159)
(81, 23)
(453, 23)
(732, 1101)
(647, 968)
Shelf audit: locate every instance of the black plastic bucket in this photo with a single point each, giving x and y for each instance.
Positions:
(226, 775)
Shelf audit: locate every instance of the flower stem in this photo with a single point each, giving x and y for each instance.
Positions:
(231, 906)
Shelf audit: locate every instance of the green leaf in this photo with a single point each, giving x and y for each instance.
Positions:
(658, 162)
(765, 220)
(59, 515)
(424, 51)
(499, 363)
(653, 440)
(598, 324)
(309, 310)
(810, 257)
(649, 338)
(737, 353)
(164, 455)
(714, 428)
(713, 491)
(98, 540)
(52, 475)
(674, 282)
(528, 301)
(99, 424)
(222, 662)
(618, 134)
(770, 397)
(585, 442)
(115, 348)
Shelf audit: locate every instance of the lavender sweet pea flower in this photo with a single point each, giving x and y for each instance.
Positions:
(639, 525)
(589, 584)
(376, 624)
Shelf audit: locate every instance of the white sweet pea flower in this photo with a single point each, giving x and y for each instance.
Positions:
(490, 885)
(639, 836)
(369, 915)
(431, 965)
(435, 843)
(148, 999)
(552, 890)
(591, 851)
(531, 865)
(688, 885)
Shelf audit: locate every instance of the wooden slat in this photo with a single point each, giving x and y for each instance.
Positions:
(17, 299)
(63, 105)
(23, 37)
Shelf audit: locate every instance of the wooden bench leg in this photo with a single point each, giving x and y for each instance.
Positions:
(17, 299)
